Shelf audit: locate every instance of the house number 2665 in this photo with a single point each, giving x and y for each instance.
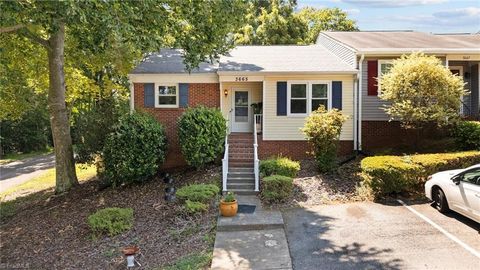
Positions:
(241, 79)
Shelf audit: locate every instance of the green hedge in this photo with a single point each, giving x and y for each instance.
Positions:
(201, 132)
(279, 166)
(276, 188)
(135, 149)
(198, 192)
(111, 221)
(393, 174)
(467, 135)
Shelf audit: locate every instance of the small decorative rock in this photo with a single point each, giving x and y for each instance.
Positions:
(268, 235)
(271, 243)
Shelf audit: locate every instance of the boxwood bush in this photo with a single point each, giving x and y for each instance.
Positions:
(201, 132)
(135, 149)
(276, 188)
(394, 174)
(198, 192)
(111, 221)
(280, 166)
(467, 135)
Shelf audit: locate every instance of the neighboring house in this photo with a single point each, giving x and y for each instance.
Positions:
(371, 54)
(291, 82)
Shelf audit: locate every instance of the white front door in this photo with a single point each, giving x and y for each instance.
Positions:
(241, 120)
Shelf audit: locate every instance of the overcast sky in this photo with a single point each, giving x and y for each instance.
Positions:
(437, 16)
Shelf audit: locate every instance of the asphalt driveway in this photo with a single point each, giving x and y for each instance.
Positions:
(377, 236)
(20, 171)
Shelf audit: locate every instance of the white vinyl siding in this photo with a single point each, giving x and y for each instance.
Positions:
(287, 127)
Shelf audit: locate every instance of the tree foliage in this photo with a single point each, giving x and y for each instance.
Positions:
(275, 22)
(85, 39)
(421, 90)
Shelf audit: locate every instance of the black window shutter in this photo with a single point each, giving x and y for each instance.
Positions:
(148, 95)
(183, 98)
(337, 95)
(281, 98)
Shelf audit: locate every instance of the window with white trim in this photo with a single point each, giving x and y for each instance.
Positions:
(298, 98)
(303, 97)
(166, 96)
(384, 67)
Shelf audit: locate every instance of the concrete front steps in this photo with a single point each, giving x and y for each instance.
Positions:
(241, 177)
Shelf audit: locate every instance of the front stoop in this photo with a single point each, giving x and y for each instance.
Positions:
(251, 241)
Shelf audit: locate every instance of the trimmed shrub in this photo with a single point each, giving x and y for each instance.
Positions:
(280, 166)
(322, 128)
(198, 192)
(467, 135)
(195, 207)
(201, 132)
(134, 150)
(276, 188)
(393, 174)
(111, 221)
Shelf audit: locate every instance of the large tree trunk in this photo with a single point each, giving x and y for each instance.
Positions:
(66, 176)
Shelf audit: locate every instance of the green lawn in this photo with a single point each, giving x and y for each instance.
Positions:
(18, 156)
(46, 181)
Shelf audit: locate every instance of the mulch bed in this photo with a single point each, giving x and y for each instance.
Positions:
(312, 188)
(52, 233)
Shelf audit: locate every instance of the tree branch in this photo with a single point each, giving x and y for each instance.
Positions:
(28, 34)
(13, 28)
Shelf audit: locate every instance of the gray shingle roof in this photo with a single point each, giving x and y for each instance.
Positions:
(397, 40)
(169, 61)
(313, 58)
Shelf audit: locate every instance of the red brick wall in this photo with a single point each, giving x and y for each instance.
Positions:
(199, 94)
(383, 134)
(295, 149)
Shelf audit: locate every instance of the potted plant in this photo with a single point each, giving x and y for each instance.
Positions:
(228, 205)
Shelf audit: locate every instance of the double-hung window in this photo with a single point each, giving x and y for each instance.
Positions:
(298, 98)
(166, 96)
(307, 96)
(384, 67)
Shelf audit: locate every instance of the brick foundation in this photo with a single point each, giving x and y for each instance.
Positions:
(206, 94)
(297, 150)
(378, 135)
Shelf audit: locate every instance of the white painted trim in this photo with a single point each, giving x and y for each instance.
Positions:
(463, 57)
(249, 108)
(380, 74)
(132, 95)
(460, 69)
(284, 73)
(355, 112)
(233, 78)
(360, 99)
(309, 84)
(156, 95)
(264, 106)
(390, 51)
(221, 97)
(174, 77)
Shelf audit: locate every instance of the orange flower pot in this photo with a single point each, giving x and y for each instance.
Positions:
(228, 209)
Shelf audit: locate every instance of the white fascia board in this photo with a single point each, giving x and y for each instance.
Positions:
(174, 77)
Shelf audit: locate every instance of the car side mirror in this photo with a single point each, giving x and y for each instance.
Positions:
(456, 179)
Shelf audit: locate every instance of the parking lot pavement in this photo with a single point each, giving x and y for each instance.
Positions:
(377, 236)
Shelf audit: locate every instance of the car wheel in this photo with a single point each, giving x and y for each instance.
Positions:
(440, 201)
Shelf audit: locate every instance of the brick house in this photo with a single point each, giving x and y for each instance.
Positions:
(290, 82)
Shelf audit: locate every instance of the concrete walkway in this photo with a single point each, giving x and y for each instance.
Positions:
(20, 171)
(251, 241)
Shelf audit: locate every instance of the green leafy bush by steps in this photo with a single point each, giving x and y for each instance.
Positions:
(201, 132)
(322, 129)
(280, 166)
(467, 135)
(198, 192)
(111, 221)
(394, 174)
(195, 207)
(135, 149)
(276, 188)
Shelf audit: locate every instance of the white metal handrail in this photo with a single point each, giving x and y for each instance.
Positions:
(256, 163)
(225, 157)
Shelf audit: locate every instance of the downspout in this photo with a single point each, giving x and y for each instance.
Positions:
(355, 110)
(130, 84)
(360, 84)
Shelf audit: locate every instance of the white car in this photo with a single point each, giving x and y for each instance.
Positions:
(457, 190)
